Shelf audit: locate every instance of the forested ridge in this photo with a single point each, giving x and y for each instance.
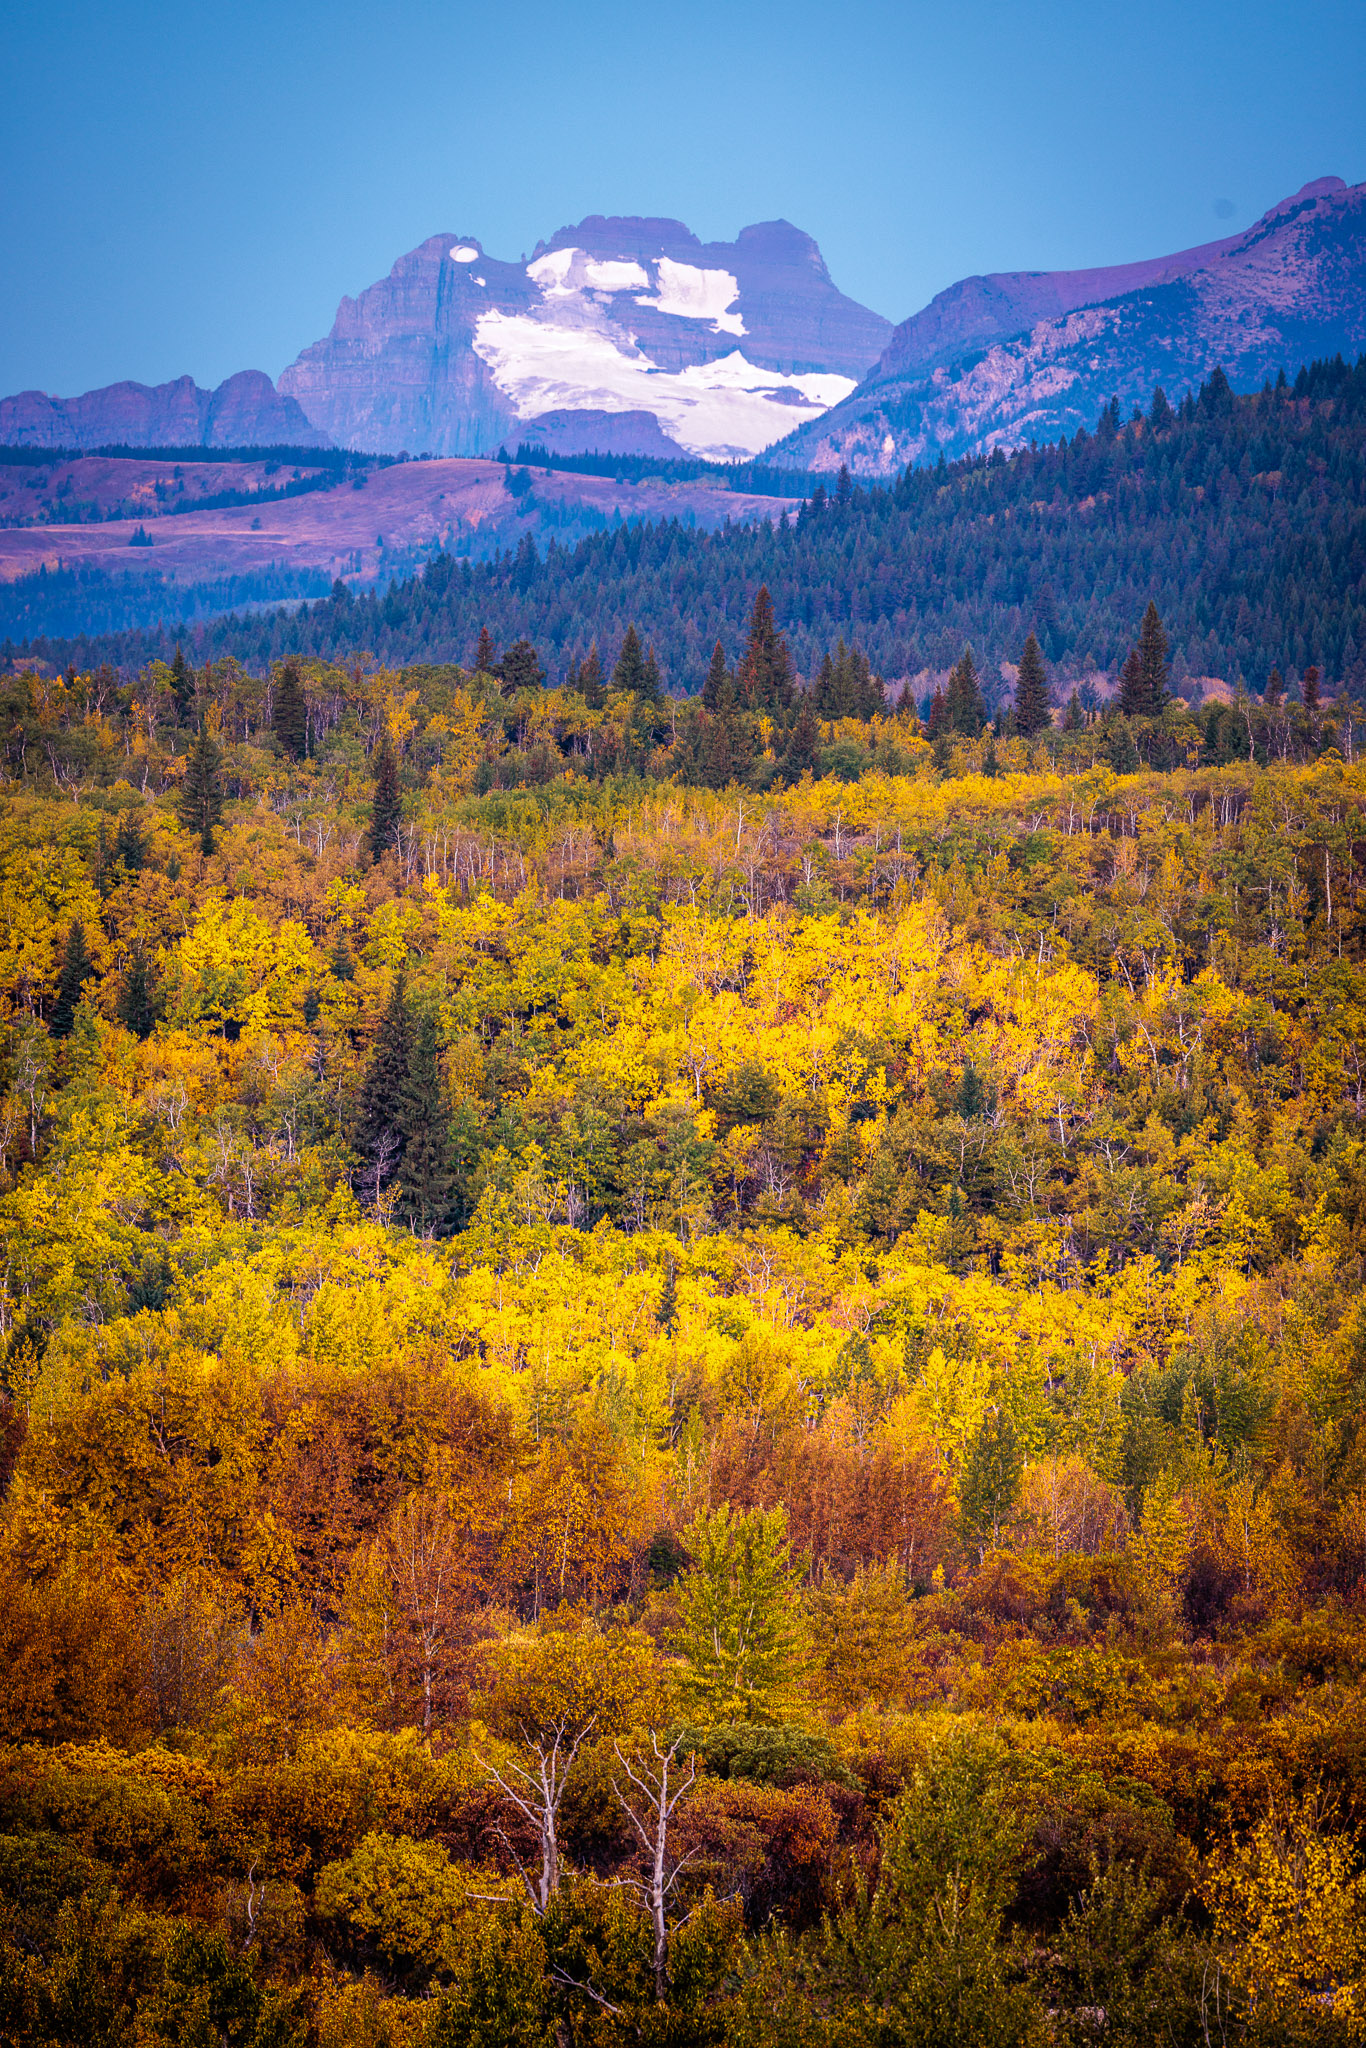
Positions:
(1241, 515)
(681, 1373)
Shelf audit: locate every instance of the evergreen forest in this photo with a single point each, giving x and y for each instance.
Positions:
(1243, 516)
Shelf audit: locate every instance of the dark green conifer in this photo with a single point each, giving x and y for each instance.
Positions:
(1274, 692)
(1032, 712)
(991, 1477)
(289, 712)
(803, 750)
(651, 686)
(381, 1109)
(200, 804)
(426, 1173)
(628, 676)
(1074, 718)
(964, 706)
(667, 1314)
(77, 968)
(590, 679)
(130, 847)
(1133, 701)
(765, 679)
(340, 960)
(136, 1006)
(522, 667)
(182, 685)
(485, 654)
(1309, 690)
(386, 809)
(1152, 662)
(718, 692)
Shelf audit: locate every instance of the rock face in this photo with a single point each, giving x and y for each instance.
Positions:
(246, 411)
(626, 334)
(998, 361)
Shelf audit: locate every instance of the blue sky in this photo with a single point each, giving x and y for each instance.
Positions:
(192, 187)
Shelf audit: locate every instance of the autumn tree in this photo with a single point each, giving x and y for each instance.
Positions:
(740, 1633)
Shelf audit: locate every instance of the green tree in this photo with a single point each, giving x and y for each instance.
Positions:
(590, 682)
(740, 1635)
(803, 750)
(964, 706)
(718, 692)
(289, 712)
(522, 667)
(381, 1108)
(1032, 712)
(1073, 718)
(77, 969)
(629, 673)
(386, 808)
(136, 1006)
(182, 685)
(1152, 663)
(991, 1477)
(426, 1175)
(764, 678)
(200, 805)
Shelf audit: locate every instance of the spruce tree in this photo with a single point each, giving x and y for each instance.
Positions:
(381, 1111)
(1074, 718)
(803, 751)
(130, 847)
(289, 712)
(136, 1006)
(628, 676)
(386, 809)
(651, 686)
(485, 654)
(964, 706)
(718, 692)
(991, 1477)
(426, 1172)
(590, 679)
(937, 717)
(77, 968)
(1309, 690)
(1032, 713)
(200, 805)
(182, 685)
(1274, 692)
(522, 667)
(1152, 662)
(764, 678)
(1133, 702)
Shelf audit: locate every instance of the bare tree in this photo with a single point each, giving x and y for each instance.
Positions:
(536, 1790)
(649, 1813)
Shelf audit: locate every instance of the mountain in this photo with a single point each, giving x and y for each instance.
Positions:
(1031, 355)
(625, 333)
(246, 411)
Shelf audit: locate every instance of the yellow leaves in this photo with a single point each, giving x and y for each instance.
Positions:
(1289, 1906)
(232, 967)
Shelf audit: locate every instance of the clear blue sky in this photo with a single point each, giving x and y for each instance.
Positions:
(191, 187)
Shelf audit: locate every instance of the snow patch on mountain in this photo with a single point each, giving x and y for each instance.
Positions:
(464, 254)
(694, 294)
(726, 409)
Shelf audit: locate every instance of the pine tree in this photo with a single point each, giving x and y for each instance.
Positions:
(485, 654)
(590, 679)
(1032, 713)
(1074, 718)
(1152, 662)
(938, 716)
(426, 1173)
(386, 809)
(964, 706)
(200, 806)
(803, 750)
(522, 667)
(1309, 690)
(1133, 702)
(740, 1630)
(77, 968)
(1274, 692)
(718, 692)
(667, 1314)
(991, 1477)
(651, 688)
(289, 712)
(136, 1006)
(130, 847)
(182, 685)
(341, 959)
(764, 678)
(628, 676)
(381, 1108)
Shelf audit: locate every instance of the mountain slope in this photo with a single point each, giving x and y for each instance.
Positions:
(1008, 359)
(245, 411)
(722, 347)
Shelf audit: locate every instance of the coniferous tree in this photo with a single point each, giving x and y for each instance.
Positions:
(964, 706)
(1133, 701)
(1309, 690)
(485, 654)
(1152, 663)
(130, 847)
(386, 809)
(426, 1171)
(590, 679)
(628, 675)
(1274, 692)
(991, 1477)
(381, 1110)
(1074, 718)
(136, 1006)
(718, 692)
(803, 750)
(937, 718)
(200, 805)
(1032, 713)
(77, 968)
(522, 667)
(182, 685)
(764, 678)
(289, 712)
(651, 687)
(341, 960)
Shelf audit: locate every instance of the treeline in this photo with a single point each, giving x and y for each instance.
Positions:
(1244, 517)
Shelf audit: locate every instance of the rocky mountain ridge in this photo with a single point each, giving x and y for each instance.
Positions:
(245, 411)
